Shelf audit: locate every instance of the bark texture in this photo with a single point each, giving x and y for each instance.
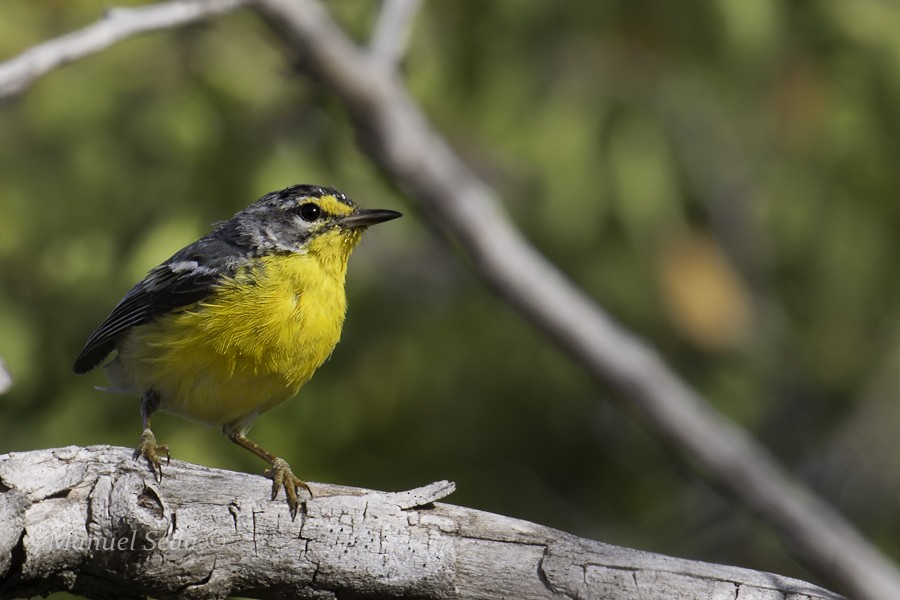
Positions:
(94, 522)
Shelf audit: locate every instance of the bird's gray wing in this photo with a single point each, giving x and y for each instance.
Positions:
(186, 278)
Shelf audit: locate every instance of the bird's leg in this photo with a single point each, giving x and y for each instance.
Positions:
(149, 449)
(280, 473)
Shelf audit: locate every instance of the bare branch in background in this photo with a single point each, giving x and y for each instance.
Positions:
(392, 31)
(5, 378)
(18, 73)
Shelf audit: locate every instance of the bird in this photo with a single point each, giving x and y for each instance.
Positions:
(237, 322)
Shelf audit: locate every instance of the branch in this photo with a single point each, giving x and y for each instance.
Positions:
(92, 521)
(403, 143)
(392, 31)
(5, 378)
(18, 73)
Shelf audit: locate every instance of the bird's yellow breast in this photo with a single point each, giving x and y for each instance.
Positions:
(251, 344)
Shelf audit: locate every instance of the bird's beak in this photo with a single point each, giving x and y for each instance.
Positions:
(365, 217)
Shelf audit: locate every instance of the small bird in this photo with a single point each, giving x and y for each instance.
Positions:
(237, 322)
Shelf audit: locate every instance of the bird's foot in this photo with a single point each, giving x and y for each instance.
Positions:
(152, 451)
(282, 476)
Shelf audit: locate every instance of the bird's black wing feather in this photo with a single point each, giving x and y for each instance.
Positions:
(187, 277)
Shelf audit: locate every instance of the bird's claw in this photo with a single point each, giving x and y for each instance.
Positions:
(150, 450)
(282, 476)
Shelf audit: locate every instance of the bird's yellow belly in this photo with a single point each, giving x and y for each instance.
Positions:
(247, 348)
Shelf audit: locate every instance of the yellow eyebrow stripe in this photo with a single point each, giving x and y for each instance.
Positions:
(335, 207)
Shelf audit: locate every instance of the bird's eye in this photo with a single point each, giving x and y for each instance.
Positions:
(309, 211)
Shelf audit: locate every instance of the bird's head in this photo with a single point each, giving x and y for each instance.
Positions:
(307, 219)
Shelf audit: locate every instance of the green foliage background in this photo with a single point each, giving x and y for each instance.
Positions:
(721, 176)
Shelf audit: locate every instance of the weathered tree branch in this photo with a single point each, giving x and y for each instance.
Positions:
(420, 161)
(94, 522)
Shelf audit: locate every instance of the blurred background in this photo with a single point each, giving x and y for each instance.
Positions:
(721, 176)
